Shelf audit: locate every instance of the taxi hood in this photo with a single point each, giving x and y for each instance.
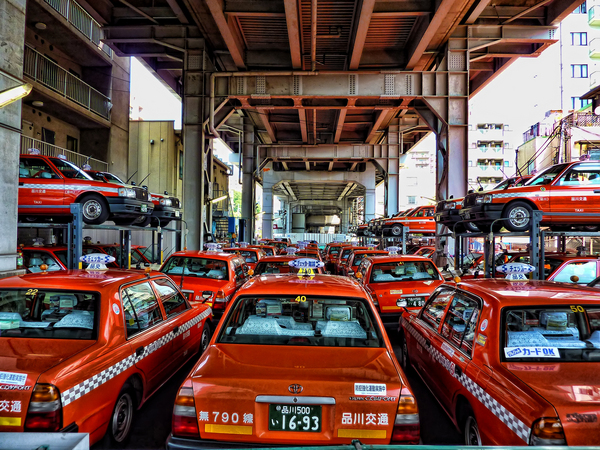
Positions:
(573, 389)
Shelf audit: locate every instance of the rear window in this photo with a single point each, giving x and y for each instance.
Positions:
(48, 314)
(197, 267)
(552, 333)
(301, 320)
(403, 271)
(249, 255)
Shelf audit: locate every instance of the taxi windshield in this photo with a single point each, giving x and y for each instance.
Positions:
(196, 267)
(268, 251)
(334, 250)
(547, 176)
(70, 170)
(48, 314)
(403, 271)
(552, 333)
(249, 255)
(301, 320)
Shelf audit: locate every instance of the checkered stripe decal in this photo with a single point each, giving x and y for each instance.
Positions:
(79, 390)
(512, 422)
(66, 187)
(555, 193)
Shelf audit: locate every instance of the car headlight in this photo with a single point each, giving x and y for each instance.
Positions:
(126, 192)
(488, 198)
(166, 201)
(450, 205)
(479, 199)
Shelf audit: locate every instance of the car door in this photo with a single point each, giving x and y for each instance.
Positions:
(39, 186)
(427, 343)
(144, 323)
(178, 313)
(577, 191)
(457, 337)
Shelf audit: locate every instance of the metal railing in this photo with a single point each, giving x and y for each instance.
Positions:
(222, 206)
(47, 72)
(80, 19)
(54, 150)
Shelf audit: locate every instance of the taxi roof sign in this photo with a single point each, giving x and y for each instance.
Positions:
(291, 250)
(393, 250)
(212, 246)
(97, 261)
(33, 151)
(306, 263)
(243, 244)
(516, 271)
(86, 167)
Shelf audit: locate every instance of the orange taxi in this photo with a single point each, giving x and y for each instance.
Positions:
(342, 258)
(353, 261)
(309, 253)
(296, 361)
(425, 251)
(250, 255)
(332, 252)
(269, 250)
(562, 267)
(419, 220)
(395, 282)
(210, 277)
(81, 351)
(512, 362)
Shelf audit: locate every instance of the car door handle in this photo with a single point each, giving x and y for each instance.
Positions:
(175, 330)
(139, 351)
(21, 183)
(596, 191)
(457, 370)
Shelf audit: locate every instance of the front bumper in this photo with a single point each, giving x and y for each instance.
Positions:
(448, 217)
(129, 207)
(166, 213)
(482, 213)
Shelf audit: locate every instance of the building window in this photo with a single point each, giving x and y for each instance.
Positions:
(180, 165)
(48, 136)
(72, 144)
(412, 200)
(579, 71)
(578, 103)
(581, 9)
(470, 163)
(506, 163)
(579, 39)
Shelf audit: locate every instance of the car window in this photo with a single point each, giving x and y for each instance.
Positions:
(551, 333)
(172, 300)
(429, 213)
(48, 314)
(585, 270)
(434, 310)
(581, 175)
(33, 260)
(70, 170)
(420, 213)
(141, 308)
(301, 320)
(460, 322)
(403, 271)
(196, 267)
(547, 176)
(36, 168)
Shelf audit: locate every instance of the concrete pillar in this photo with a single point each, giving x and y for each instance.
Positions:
(288, 217)
(345, 215)
(369, 204)
(267, 204)
(248, 194)
(12, 24)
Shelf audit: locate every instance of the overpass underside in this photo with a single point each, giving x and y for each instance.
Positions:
(321, 98)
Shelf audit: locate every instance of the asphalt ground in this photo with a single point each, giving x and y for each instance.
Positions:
(152, 423)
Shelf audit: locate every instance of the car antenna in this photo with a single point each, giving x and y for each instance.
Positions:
(140, 183)
(133, 175)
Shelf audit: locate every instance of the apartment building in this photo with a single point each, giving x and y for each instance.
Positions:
(79, 105)
(418, 175)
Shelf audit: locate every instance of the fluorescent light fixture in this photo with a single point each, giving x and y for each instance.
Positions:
(13, 94)
(218, 199)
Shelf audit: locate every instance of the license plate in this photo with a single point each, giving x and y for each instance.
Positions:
(411, 301)
(466, 215)
(176, 213)
(144, 207)
(305, 418)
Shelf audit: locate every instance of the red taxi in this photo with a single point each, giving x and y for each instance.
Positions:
(279, 245)
(562, 267)
(396, 282)
(309, 253)
(296, 361)
(279, 264)
(425, 251)
(511, 362)
(209, 277)
(48, 185)
(251, 255)
(570, 188)
(269, 250)
(419, 220)
(447, 211)
(332, 252)
(81, 351)
(355, 258)
(55, 257)
(342, 258)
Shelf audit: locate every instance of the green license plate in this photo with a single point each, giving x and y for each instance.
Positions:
(144, 207)
(305, 418)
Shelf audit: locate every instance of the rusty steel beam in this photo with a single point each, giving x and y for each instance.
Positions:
(314, 126)
(303, 125)
(313, 36)
(265, 120)
(526, 11)
(481, 5)
(234, 47)
(178, 11)
(360, 34)
(381, 115)
(559, 9)
(139, 11)
(339, 125)
(291, 17)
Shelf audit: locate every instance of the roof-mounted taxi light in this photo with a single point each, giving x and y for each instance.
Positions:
(243, 244)
(547, 431)
(87, 240)
(38, 242)
(33, 151)
(250, 272)
(358, 275)
(516, 271)
(44, 268)
(457, 280)
(184, 421)
(63, 157)
(45, 409)
(212, 247)
(406, 425)
(97, 261)
(393, 250)
(86, 167)
(147, 271)
(291, 250)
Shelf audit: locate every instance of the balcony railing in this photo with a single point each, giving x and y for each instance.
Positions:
(223, 206)
(80, 19)
(54, 150)
(51, 75)
(594, 16)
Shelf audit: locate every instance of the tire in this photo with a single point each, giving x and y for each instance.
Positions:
(519, 216)
(487, 227)
(471, 433)
(143, 221)
(205, 337)
(405, 361)
(460, 228)
(121, 419)
(94, 209)
(396, 230)
(471, 227)
(124, 222)
(164, 223)
(590, 228)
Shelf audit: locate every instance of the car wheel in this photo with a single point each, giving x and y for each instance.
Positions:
(396, 230)
(590, 228)
(519, 216)
(205, 337)
(471, 429)
(143, 221)
(459, 228)
(405, 361)
(124, 222)
(94, 209)
(164, 223)
(471, 227)
(121, 419)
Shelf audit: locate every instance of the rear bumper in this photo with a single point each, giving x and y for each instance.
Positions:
(177, 443)
(128, 207)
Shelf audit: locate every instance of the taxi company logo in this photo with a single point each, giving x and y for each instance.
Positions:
(588, 418)
(295, 388)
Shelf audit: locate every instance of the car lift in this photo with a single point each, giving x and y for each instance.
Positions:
(387, 241)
